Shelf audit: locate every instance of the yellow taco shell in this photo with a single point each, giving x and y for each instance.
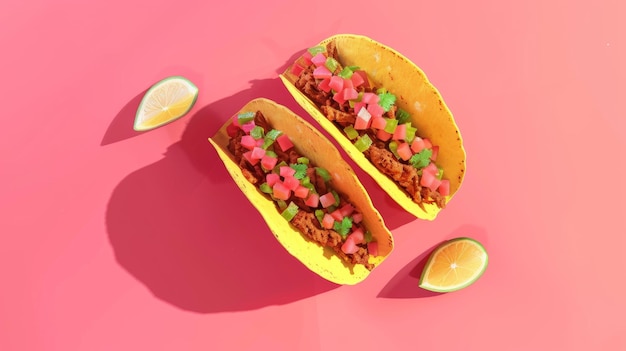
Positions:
(389, 69)
(311, 143)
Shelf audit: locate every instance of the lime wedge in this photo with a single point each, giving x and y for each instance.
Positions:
(164, 102)
(454, 265)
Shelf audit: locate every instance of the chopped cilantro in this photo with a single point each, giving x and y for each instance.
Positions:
(421, 159)
(343, 227)
(386, 100)
(402, 116)
(300, 170)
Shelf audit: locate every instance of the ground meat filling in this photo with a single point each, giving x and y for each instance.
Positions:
(404, 174)
(305, 220)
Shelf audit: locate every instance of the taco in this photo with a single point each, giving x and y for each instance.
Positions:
(309, 196)
(386, 115)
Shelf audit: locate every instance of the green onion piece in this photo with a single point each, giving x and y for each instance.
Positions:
(267, 143)
(316, 50)
(303, 160)
(245, 117)
(306, 182)
(331, 64)
(256, 132)
(322, 173)
(270, 153)
(391, 125)
(273, 134)
(439, 173)
(393, 147)
(351, 133)
(402, 116)
(346, 73)
(319, 214)
(266, 188)
(281, 204)
(367, 236)
(331, 208)
(277, 167)
(363, 143)
(354, 68)
(290, 212)
(410, 132)
(381, 90)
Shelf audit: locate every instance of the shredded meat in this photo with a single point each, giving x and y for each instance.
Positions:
(343, 118)
(308, 225)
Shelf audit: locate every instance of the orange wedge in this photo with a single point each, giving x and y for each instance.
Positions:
(454, 265)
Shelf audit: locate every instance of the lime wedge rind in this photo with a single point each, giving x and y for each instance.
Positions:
(142, 123)
(423, 282)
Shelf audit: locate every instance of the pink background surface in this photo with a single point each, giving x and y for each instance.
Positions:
(117, 240)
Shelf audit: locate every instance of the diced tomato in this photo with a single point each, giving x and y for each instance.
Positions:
(319, 59)
(313, 200)
(296, 69)
(301, 192)
(306, 57)
(375, 110)
(417, 144)
(357, 217)
(358, 106)
(257, 153)
(272, 178)
(357, 80)
(327, 200)
(379, 122)
(427, 143)
(339, 98)
(347, 83)
(349, 246)
(350, 93)
(322, 72)
(336, 214)
(435, 184)
(400, 132)
(435, 152)
(291, 183)
(328, 221)
(404, 151)
(284, 142)
(248, 142)
(269, 162)
(280, 191)
(370, 98)
(427, 179)
(248, 156)
(363, 120)
(346, 210)
(431, 168)
(444, 187)
(323, 85)
(382, 135)
(247, 127)
(260, 142)
(372, 248)
(357, 235)
(336, 83)
(286, 171)
(232, 130)
(363, 76)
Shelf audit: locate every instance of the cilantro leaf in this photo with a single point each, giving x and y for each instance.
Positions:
(343, 227)
(386, 100)
(421, 159)
(300, 169)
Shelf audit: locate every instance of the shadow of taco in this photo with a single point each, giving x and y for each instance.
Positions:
(387, 116)
(309, 196)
